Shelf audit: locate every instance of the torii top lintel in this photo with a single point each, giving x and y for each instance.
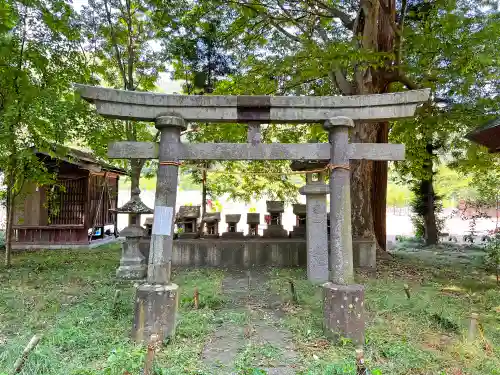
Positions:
(146, 106)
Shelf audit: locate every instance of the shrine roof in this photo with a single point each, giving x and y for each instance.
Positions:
(79, 158)
(487, 135)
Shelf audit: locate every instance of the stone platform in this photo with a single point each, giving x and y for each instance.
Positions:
(240, 253)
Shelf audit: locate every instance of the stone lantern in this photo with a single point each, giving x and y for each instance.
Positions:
(253, 221)
(299, 230)
(316, 218)
(132, 262)
(232, 227)
(275, 228)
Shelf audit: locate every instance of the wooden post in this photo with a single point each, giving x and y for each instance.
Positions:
(196, 299)
(360, 362)
(150, 356)
(407, 291)
(27, 350)
(104, 186)
(472, 327)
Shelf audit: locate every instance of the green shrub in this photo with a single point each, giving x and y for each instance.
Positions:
(419, 207)
(492, 257)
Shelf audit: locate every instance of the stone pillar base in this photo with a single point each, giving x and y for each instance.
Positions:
(343, 312)
(364, 253)
(155, 311)
(132, 272)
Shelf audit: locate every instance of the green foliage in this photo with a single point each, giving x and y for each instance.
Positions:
(452, 185)
(216, 206)
(252, 371)
(118, 38)
(199, 50)
(403, 336)
(486, 182)
(420, 207)
(67, 297)
(39, 60)
(492, 257)
(397, 195)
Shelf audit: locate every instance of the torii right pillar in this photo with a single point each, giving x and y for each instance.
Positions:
(343, 301)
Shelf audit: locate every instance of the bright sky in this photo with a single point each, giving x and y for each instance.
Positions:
(164, 83)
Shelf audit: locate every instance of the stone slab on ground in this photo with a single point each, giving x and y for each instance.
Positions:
(261, 341)
(222, 349)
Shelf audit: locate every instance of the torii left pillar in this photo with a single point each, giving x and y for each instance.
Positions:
(157, 300)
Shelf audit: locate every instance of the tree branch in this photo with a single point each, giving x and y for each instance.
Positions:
(342, 83)
(399, 38)
(290, 16)
(284, 32)
(130, 48)
(115, 45)
(398, 76)
(337, 76)
(347, 21)
(272, 21)
(296, 85)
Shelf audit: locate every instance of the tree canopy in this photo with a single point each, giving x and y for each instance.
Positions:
(272, 47)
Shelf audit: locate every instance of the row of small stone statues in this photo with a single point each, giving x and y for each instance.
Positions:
(188, 223)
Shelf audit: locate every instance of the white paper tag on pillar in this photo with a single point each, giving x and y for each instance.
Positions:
(162, 223)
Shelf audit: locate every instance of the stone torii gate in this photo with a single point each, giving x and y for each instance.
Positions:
(157, 299)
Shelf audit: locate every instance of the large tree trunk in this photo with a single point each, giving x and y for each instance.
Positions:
(369, 180)
(8, 226)
(379, 192)
(203, 192)
(427, 189)
(203, 199)
(361, 185)
(431, 231)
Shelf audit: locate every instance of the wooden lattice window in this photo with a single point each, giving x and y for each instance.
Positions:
(66, 202)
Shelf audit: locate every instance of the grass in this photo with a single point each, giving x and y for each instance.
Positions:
(261, 355)
(425, 334)
(68, 297)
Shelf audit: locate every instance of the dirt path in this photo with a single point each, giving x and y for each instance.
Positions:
(254, 337)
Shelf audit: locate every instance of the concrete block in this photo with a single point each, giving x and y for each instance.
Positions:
(364, 252)
(132, 272)
(132, 261)
(343, 312)
(155, 311)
